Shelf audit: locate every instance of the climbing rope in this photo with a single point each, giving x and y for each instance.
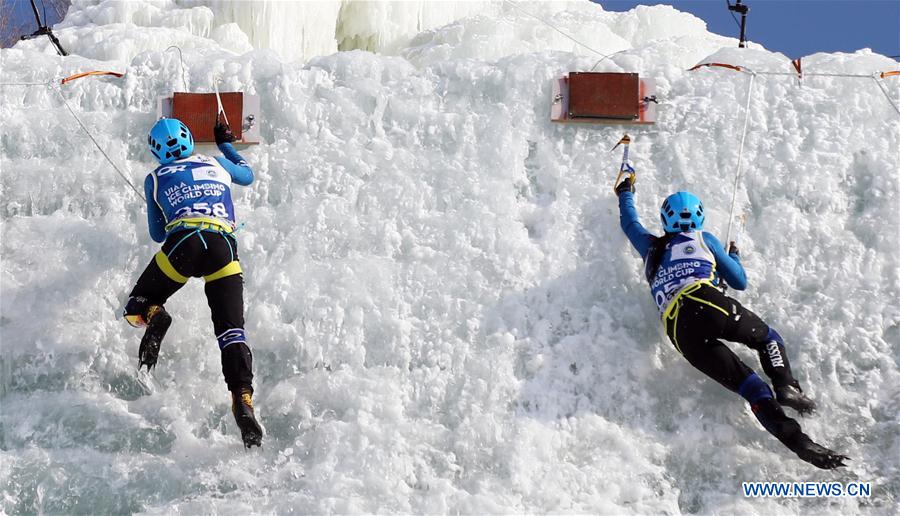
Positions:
(91, 136)
(557, 29)
(875, 76)
(737, 176)
(885, 91)
(818, 74)
(181, 61)
(52, 85)
(24, 83)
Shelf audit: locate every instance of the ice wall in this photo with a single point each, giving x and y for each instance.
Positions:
(293, 29)
(300, 30)
(444, 314)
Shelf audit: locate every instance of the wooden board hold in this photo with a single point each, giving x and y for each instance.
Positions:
(603, 95)
(198, 112)
(636, 111)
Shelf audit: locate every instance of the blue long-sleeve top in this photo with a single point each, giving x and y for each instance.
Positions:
(232, 162)
(728, 266)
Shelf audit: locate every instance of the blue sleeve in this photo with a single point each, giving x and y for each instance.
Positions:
(156, 222)
(728, 266)
(639, 237)
(236, 165)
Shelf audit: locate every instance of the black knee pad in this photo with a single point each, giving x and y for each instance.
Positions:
(136, 311)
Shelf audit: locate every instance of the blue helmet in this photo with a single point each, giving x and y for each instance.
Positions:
(169, 140)
(682, 211)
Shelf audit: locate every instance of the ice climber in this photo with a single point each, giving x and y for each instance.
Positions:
(189, 210)
(684, 268)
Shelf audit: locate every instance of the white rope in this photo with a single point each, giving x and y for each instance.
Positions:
(56, 88)
(545, 22)
(886, 94)
(737, 176)
(874, 77)
(604, 58)
(181, 60)
(816, 74)
(124, 178)
(24, 83)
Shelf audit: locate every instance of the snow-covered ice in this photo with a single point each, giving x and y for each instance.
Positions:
(444, 314)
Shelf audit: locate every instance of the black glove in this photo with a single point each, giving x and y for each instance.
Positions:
(733, 249)
(818, 455)
(222, 132)
(627, 185)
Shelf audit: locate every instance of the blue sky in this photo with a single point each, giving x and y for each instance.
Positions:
(793, 27)
(798, 28)
(21, 20)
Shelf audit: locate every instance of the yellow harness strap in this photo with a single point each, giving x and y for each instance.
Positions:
(670, 316)
(705, 302)
(229, 270)
(199, 223)
(671, 321)
(163, 262)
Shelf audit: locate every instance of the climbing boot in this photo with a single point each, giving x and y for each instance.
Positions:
(792, 396)
(158, 322)
(242, 408)
(818, 455)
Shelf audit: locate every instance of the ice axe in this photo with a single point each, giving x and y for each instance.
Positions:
(222, 131)
(625, 168)
(219, 102)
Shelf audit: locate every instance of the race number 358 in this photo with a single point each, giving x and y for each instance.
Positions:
(203, 208)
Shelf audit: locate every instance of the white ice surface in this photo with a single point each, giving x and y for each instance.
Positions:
(293, 29)
(444, 314)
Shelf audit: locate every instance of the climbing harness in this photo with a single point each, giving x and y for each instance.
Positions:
(198, 228)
